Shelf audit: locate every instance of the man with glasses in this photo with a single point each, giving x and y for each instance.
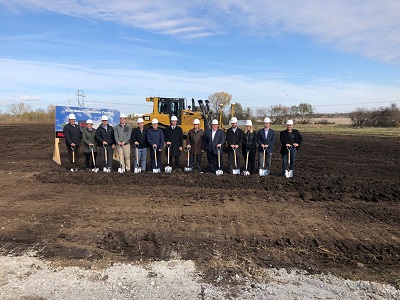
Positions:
(291, 140)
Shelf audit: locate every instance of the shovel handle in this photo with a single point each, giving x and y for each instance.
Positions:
(155, 156)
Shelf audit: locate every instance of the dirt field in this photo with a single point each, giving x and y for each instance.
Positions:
(340, 214)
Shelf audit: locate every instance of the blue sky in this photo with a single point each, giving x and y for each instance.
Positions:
(336, 55)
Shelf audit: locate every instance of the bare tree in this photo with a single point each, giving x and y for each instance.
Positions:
(19, 108)
(217, 99)
(261, 113)
(279, 113)
(306, 112)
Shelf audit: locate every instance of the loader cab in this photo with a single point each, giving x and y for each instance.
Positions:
(171, 107)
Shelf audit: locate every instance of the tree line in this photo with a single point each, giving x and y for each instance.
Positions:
(380, 117)
(221, 101)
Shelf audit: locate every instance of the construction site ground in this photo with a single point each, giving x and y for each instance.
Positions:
(340, 214)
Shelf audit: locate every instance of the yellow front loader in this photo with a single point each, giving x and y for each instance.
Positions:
(165, 108)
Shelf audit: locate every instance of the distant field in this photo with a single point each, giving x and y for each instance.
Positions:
(340, 129)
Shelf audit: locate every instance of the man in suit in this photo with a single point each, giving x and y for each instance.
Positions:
(265, 140)
(174, 139)
(234, 139)
(291, 140)
(73, 136)
(214, 139)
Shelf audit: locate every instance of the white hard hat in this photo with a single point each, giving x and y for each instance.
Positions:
(289, 122)
(71, 117)
(104, 118)
(122, 116)
(196, 121)
(154, 121)
(174, 118)
(89, 121)
(249, 123)
(214, 122)
(234, 120)
(140, 120)
(267, 120)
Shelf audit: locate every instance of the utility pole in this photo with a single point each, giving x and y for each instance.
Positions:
(80, 96)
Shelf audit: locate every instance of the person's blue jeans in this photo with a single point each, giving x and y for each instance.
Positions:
(292, 159)
(141, 160)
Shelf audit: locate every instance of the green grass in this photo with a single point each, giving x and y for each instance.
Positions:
(338, 129)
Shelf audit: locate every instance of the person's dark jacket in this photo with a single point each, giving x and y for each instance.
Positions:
(195, 140)
(249, 140)
(72, 134)
(103, 135)
(155, 137)
(234, 137)
(175, 136)
(211, 146)
(140, 137)
(285, 139)
(270, 140)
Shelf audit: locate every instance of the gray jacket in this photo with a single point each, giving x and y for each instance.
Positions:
(122, 133)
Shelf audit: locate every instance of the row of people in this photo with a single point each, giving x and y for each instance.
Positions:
(122, 136)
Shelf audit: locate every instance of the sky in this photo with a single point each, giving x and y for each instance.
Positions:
(336, 55)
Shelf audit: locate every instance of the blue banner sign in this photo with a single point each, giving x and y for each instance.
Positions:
(82, 114)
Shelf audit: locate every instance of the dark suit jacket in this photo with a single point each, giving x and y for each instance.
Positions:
(210, 145)
(284, 136)
(270, 140)
(176, 138)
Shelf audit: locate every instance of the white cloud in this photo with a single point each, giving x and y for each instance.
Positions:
(127, 89)
(370, 27)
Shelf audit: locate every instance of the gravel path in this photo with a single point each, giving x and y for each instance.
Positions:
(29, 278)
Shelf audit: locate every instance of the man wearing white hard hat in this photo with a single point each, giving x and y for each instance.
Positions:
(89, 143)
(250, 146)
(291, 140)
(194, 143)
(106, 140)
(214, 140)
(123, 132)
(174, 139)
(266, 141)
(73, 136)
(155, 139)
(234, 138)
(139, 139)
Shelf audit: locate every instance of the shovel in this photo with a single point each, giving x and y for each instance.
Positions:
(95, 169)
(156, 170)
(288, 172)
(137, 169)
(73, 160)
(106, 169)
(188, 168)
(235, 171)
(168, 168)
(246, 172)
(264, 171)
(219, 171)
(120, 169)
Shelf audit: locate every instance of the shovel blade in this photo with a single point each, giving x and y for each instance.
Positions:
(187, 169)
(263, 172)
(219, 172)
(289, 173)
(236, 171)
(168, 169)
(246, 173)
(137, 170)
(156, 170)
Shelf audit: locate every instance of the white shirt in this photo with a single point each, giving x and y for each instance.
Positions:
(266, 133)
(213, 134)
